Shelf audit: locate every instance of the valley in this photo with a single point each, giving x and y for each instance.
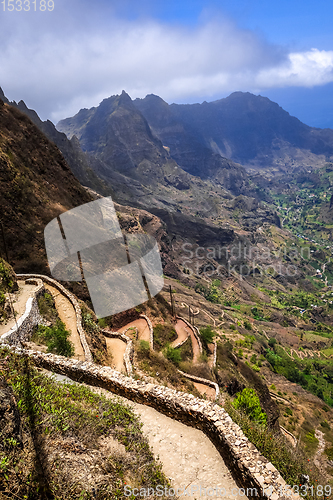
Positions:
(244, 230)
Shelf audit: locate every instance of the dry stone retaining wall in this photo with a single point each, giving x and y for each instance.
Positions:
(205, 381)
(25, 324)
(151, 331)
(74, 303)
(129, 351)
(194, 330)
(249, 467)
(182, 343)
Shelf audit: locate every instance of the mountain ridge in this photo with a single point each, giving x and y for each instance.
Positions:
(249, 129)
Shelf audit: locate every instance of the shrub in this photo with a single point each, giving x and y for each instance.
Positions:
(325, 425)
(173, 355)
(164, 334)
(47, 308)
(253, 359)
(291, 463)
(207, 334)
(247, 325)
(144, 346)
(248, 401)
(56, 339)
(7, 277)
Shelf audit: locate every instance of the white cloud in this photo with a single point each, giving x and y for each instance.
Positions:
(59, 65)
(305, 69)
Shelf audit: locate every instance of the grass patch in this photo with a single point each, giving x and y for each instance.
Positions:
(55, 337)
(156, 365)
(186, 350)
(311, 443)
(72, 414)
(289, 462)
(47, 309)
(163, 335)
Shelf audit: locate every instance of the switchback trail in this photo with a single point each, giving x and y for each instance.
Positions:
(183, 329)
(19, 303)
(189, 458)
(116, 349)
(142, 326)
(67, 315)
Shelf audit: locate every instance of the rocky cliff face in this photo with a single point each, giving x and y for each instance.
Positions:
(248, 129)
(117, 133)
(36, 185)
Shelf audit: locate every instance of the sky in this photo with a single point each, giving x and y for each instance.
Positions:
(75, 53)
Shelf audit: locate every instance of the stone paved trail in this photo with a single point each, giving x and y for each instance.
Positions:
(116, 349)
(142, 326)
(182, 326)
(183, 331)
(67, 315)
(19, 303)
(189, 458)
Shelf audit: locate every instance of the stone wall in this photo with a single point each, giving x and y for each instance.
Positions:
(74, 303)
(151, 331)
(183, 342)
(129, 351)
(194, 330)
(249, 468)
(205, 381)
(25, 324)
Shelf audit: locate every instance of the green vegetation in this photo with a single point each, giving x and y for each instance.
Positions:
(62, 417)
(248, 402)
(207, 335)
(144, 346)
(213, 293)
(289, 462)
(47, 308)
(56, 339)
(163, 335)
(311, 443)
(173, 355)
(158, 366)
(314, 375)
(7, 277)
(7, 284)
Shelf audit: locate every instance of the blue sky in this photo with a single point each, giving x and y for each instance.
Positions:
(184, 51)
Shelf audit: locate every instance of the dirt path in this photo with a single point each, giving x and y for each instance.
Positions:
(183, 331)
(19, 300)
(67, 315)
(142, 326)
(205, 389)
(189, 458)
(180, 327)
(116, 349)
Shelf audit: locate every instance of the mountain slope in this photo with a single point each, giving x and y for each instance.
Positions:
(117, 133)
(36, 185)
(248, 129)
(187, 146)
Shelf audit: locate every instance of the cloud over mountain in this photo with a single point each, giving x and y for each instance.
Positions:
(63, 60)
